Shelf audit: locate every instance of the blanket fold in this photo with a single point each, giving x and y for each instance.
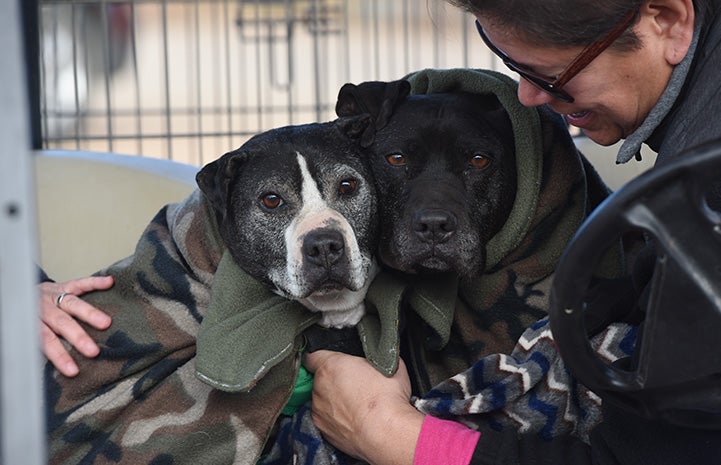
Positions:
(433, 300)
(247, 331)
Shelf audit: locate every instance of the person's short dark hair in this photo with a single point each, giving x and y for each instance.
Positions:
(564, 23)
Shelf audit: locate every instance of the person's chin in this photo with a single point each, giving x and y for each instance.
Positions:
(602, 137)
(589, 123)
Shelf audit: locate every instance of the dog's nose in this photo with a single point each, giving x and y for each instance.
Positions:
(323, 247)
(434, 225)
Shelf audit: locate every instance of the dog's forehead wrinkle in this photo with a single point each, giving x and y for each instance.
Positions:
(455, 119)
(438, 170)
(330, 168)
(339, 170)
(323, 176)
(267, 171)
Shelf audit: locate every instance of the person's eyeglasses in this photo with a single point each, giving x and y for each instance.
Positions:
(554, 86)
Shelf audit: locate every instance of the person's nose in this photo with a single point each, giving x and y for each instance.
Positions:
(530, 95)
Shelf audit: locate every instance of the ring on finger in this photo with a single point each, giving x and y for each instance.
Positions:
(60, 298)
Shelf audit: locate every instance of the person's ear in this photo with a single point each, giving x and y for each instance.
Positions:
(673, 22)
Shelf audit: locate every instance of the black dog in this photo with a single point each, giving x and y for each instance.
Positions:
(445, 169)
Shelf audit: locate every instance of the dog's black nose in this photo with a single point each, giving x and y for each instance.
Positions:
(323, 247)
(434, 225)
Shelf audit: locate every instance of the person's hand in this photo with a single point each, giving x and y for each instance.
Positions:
(362, 412)
(58, 320)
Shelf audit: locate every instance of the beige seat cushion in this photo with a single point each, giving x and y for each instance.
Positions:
(93, 207)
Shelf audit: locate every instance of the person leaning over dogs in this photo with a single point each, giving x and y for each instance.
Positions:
(642, 71)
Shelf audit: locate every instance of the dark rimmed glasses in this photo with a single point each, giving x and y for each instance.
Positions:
(554, 86)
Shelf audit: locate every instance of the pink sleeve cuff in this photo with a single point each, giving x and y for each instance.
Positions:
(444, 441)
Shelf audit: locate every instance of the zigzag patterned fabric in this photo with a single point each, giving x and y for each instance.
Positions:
(529, 390)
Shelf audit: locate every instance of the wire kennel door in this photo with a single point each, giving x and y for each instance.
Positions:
(191, 80)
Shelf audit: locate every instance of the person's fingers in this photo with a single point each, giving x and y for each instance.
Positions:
(314, 360)
(65, 296)
(80, 309)
(60, 309)
(57, 354)
(62, 324)
(82, 285)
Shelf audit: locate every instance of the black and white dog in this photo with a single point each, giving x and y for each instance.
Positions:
(297, 210)
(445, 170)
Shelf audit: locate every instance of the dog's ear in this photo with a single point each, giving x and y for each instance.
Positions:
(375, 98)
(357, 127)
(215, 178)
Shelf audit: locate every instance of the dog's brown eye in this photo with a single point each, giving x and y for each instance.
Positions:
(271, 201)
(347, 186)
(480, 161)
(396, 159)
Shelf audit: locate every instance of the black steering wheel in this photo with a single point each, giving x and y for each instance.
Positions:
(676, 369)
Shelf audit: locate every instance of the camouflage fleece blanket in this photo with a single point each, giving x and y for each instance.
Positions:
(139, 401)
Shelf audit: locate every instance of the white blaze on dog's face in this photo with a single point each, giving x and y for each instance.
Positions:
(319, 230)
